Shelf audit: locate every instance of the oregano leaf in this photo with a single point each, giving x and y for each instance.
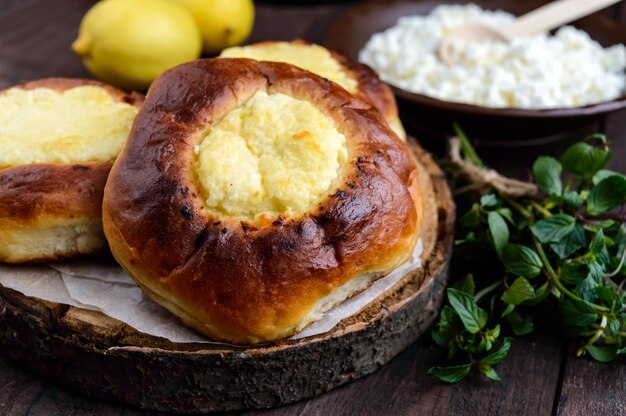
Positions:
(572, 272)
(449, 322)
(489, 201)
(521, 290)
(451, 374)
(466, 284)
(604, 354)
(507, 214)
(521, 324)
(547, 173)
(597, 244)
(584, 160)
(499, 355)
(571, 243)
(606, 195)
(521, 260)
(603, 174)
(473, 317)
(498, 230)
(509, 308)
(577, 313)
(553, 229)
(471, 218)
(439, 339)
(488, 371)
(573, 199)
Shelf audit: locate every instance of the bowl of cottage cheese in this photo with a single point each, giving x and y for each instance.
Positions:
(532, 87)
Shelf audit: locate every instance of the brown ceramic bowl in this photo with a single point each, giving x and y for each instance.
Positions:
(349, 33)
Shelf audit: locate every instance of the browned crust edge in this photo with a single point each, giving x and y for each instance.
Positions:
(29, 192)
(64, 84)
(370, 87)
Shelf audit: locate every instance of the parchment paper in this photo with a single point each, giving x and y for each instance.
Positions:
(105, 287)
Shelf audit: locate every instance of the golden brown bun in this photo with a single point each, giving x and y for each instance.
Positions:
(369, 88)
(248, 281)
(374, 90)
(50, 211)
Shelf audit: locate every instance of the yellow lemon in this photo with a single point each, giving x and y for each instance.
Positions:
(223, 23)
(128, 43)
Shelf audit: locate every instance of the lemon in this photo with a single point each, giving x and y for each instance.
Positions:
(128, 43)
(223, 23)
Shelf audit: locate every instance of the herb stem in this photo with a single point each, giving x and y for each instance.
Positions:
(599, 332)
(596, 219)
(542, 210)
(487, 290)
(545, 261)
(525, 213)
(468, 150)
(596, 336)
(557, 282)
(619, 266)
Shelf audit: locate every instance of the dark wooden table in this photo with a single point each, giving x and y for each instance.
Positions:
(540, 377)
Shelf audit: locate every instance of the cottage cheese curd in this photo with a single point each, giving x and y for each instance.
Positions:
(82, 124)
(274, 154)
(568, 69)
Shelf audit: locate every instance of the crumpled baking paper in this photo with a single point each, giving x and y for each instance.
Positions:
(105, 287)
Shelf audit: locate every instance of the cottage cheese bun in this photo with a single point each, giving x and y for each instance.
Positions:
(250, 195)
(59, 138)
(356, 78)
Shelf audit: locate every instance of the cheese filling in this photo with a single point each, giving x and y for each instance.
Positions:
(272, 155)
(313, 58)
(82, 124)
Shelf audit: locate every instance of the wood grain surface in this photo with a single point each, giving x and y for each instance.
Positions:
(403, 387)
(540, 377)
(591, 388)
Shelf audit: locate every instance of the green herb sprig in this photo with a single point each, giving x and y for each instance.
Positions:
(550, 253)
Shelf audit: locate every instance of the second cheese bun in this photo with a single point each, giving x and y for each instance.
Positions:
(59, 138)
(356, 78)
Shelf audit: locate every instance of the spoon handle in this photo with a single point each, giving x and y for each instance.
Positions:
(553, 15)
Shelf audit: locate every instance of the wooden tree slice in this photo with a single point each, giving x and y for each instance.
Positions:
(107, 359)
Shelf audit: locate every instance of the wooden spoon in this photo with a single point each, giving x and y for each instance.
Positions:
(544, 18)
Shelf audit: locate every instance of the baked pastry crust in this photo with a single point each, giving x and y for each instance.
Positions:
(241, 280)
(369, 88)
(372, 89)
(50, 211)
